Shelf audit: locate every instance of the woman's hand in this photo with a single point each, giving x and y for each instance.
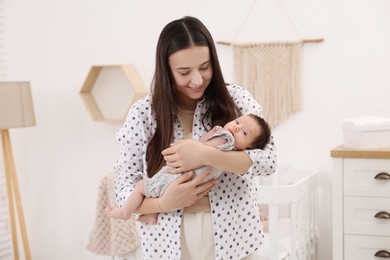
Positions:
(184, 192)
(186, 155)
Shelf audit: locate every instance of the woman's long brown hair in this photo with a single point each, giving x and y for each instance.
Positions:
(178, 35)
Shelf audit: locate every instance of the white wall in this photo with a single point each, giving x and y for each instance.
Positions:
(61, 160)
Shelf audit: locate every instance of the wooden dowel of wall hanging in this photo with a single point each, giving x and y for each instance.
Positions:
(224, 43)
(304, 41)
(313, 40)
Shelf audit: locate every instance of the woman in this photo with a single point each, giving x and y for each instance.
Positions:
(217, 219)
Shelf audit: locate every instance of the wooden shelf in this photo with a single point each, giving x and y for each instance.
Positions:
(342, 152)
(119, 99)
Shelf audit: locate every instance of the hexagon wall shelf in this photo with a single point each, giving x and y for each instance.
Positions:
(109, 91)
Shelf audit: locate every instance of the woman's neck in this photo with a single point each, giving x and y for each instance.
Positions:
(185, 103)
(186, 117)
(188, 106)
(186, 109)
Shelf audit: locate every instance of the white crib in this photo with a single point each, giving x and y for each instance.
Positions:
(290, 199)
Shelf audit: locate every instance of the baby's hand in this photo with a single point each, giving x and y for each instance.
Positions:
(217, 127)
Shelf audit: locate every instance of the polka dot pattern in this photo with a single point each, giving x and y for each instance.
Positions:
(237, 228)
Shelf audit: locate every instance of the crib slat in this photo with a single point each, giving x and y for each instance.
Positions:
(273, 231)
(300, 200)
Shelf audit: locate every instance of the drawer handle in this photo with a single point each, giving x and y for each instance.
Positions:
(382, 254)
(382, 215)
(382, 176)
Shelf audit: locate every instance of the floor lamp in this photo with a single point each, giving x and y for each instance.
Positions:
(16, 110)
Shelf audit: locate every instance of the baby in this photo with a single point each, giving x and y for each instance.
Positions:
(245, 132)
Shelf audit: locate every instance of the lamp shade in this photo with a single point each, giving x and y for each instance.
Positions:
(16, 105)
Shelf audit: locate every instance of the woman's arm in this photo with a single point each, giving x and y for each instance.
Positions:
(182, 192)
(188, 154)
(129, 167)
(228, 161)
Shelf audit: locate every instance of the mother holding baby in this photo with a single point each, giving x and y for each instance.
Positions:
(216, 219)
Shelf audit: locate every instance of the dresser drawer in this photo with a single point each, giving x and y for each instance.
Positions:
(359, 216)
(367, 177)
(365, 247)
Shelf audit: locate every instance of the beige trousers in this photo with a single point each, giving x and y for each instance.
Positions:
(197, 238)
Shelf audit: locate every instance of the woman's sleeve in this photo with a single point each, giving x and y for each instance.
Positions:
(129, 168)
(264, 160)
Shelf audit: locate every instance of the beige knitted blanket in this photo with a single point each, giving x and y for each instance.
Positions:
(111, 236)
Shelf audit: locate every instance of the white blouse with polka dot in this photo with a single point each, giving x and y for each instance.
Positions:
(237, 227)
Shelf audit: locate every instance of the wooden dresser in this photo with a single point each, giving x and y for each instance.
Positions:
(361, 204)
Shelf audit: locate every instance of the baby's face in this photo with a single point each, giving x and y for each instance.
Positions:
(244, 130)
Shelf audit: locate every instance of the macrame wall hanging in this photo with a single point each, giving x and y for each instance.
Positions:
(271, 71)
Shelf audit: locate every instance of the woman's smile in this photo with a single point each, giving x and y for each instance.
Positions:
(192, 72)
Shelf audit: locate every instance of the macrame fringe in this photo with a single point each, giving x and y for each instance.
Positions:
(271, 72)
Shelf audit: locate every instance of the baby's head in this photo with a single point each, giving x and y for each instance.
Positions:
(249, 131)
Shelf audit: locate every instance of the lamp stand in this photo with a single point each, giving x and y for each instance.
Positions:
(13, 195)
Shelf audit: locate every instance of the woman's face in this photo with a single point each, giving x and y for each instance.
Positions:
(192, 72)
